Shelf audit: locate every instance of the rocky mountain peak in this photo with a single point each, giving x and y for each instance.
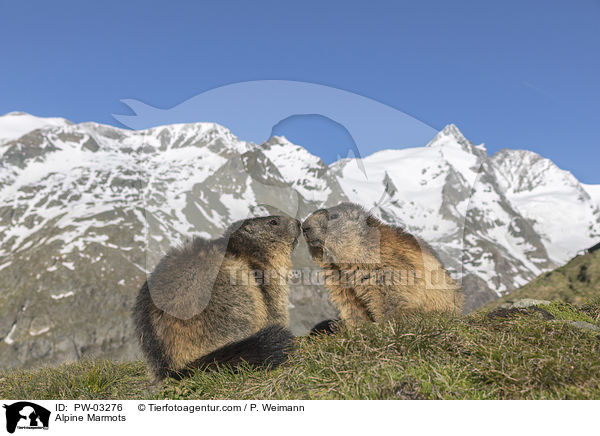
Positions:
(278, 140)
(526, 171)
(451, 136)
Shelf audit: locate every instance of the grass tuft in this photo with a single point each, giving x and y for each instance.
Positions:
(509, 355)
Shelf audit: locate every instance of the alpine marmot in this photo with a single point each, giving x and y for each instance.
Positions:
(219, 301)
(374, 271)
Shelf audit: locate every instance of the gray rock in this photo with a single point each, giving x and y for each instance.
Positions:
(581, 325)
(523, 303)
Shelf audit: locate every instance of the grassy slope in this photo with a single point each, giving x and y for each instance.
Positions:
(574, 282)
(516, 355)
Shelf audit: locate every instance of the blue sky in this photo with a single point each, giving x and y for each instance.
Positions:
(510, 74)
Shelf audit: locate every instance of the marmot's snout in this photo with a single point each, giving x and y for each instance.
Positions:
(315, 227)
(285, 227)
(297, 226)
(295, 230)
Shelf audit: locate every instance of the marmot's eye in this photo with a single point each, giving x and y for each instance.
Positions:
(274, 222)
(333, 216)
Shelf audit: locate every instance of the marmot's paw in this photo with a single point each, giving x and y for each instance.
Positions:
(327, 327)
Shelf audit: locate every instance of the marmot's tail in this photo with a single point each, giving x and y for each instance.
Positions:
(268, 346)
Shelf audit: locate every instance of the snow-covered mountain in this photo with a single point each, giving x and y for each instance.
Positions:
(15, 124)
(86, 210)
(564, 213)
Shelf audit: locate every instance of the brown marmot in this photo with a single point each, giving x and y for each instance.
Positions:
(374, 271)
(219, 301)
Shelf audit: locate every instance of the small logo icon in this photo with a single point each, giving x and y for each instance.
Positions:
(26, 415)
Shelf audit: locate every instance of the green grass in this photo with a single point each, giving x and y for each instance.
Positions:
(87, 379)
(567, 312)
(487, 355)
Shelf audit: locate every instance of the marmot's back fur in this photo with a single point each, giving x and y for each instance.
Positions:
(219, 301)
(375, 271)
